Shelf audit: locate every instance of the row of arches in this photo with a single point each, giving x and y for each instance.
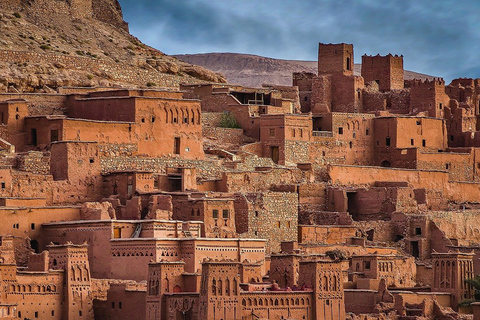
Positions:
(181, 115)
(79, 273)
(385, 266)
(133, 254)
(247, 302)
(33, 288)
(220, 288)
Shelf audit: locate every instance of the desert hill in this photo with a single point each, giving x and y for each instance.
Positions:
(253, 71)
(45, 44)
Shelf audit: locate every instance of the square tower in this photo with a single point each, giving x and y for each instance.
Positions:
(335, 59)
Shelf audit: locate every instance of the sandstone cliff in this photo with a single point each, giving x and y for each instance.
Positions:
(253, 71)
(45, 44)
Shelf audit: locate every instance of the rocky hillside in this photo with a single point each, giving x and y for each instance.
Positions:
(253, 71)
(45, 44)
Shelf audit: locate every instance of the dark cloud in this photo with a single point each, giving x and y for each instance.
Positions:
(440, 38)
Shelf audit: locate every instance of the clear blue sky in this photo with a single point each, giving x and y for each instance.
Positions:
(436, 37)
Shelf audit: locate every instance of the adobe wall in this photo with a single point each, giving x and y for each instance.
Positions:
(347, 93)
(424, 133)
(321, 95)
(356, 175)
(343, 138)
(325, 234)
(304, 80)
(387, 70)
(458, 165)
(335, 58)
(40, 103)
(428, 96)
(27, 221)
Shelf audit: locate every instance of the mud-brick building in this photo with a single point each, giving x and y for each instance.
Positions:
(285, 138)
(55, 285)
(221, 293)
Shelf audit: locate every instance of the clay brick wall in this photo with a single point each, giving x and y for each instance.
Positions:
(387, 70)
(343, 138)
(428, 131)
(428, 96)
(347, 93)
(325, 234)
(321, 94)
(335, 58)
(458, 165)
(304, 80)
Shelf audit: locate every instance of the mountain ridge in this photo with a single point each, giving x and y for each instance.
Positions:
(254, 70)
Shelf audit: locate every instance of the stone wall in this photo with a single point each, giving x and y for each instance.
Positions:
(224, 135)
(34, 162)
(205, 169)
(103, 68)
(269, 215)
(211, 118)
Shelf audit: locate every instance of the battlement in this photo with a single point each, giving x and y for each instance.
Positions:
(425, 83)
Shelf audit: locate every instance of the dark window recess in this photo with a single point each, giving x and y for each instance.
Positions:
(34, 136)
(412, 142)
(424, 143)
(225, 214)
(418, 231)
(53, 135)
(32, 226)
(92, 160)
(3, 185)
(367, 132)
(387, 141)
(215, 213)
(176, 145)
(451, 137)
(340, 130)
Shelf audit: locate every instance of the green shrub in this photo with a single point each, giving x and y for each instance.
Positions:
(151, 84)
(228, 121)
(17, 15)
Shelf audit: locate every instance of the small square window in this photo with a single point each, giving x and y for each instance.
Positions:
(215, 214)
(367, 132)
(32, 226)
(418, 231)
(225, 214)
(272, 132)
(340, 130)
(387, 141)
(412, 142)
(3, 185)
(424, 143)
